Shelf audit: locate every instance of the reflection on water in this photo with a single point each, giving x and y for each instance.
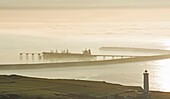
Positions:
(46, 36)
(162, 74)
(127, 74)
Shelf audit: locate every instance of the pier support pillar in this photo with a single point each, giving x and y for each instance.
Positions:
(39, 57)
(32, 56)
(20, 56)
(104, 57)
(27, 56)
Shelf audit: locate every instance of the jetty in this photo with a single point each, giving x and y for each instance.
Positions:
(83, 63)
(82, 59)
(66, 54)
(131, 49)
(30, 54)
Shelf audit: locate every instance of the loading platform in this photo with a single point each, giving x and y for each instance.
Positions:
(101, 57)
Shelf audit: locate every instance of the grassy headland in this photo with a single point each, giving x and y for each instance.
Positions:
(19, 87)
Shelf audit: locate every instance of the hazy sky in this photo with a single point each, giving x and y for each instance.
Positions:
(83, 3)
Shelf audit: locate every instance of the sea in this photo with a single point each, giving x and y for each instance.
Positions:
(36, 31)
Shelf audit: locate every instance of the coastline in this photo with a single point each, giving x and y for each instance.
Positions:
(131, 49)
(19, 87)
(84, 63)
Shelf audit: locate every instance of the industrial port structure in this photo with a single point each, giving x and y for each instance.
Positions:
(66, 54)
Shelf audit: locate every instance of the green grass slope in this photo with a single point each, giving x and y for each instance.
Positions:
(19, 87)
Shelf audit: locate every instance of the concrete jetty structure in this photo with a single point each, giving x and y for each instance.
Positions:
(30, 54)
(85, 55)
(110, 59)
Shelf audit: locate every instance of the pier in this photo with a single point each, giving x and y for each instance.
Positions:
(86, 53)
(101, 57)
(39, 55)
(83, 63)
(104, 57)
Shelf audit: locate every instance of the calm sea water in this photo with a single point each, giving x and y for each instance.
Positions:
(26, 36)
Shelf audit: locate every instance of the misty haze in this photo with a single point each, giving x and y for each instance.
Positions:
(87, 44)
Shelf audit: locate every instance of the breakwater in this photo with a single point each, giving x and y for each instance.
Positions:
(83, 63)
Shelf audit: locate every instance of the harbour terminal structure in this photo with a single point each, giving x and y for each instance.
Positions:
(68, 59)
(86, 55)
(67, 55)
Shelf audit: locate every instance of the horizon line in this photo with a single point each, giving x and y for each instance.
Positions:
(86, 7)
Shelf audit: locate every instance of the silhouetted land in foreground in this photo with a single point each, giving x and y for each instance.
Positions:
(19, 87)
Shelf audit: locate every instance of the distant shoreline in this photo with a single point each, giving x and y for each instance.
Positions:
(134, 49)
(83, 63)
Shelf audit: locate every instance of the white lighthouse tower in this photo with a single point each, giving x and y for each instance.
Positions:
(146, 83)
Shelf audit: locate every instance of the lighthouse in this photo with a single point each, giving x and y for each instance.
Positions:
(146, 83)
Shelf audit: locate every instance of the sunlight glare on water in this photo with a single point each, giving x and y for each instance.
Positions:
(80, 29)
(167, 43)
(163, 73)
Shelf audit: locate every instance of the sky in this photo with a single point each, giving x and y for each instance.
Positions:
(96, 24)
(82, 3)
(58, 22)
